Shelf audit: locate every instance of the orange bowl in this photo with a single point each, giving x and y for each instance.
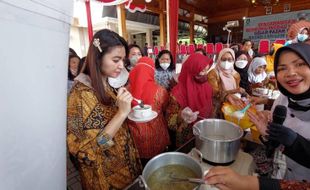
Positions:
(244, 123)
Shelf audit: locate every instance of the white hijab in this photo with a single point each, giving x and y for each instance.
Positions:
(252, 76)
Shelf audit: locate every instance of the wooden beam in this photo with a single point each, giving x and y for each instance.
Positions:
(191, 28)
(121, 16)
(155, 9)
(190, 8)
(163, 8)
(237, 14)
(183, 18)
(162, 23)
(225, 16)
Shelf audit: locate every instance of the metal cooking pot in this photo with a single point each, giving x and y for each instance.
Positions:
(217, 140)
(171, 158)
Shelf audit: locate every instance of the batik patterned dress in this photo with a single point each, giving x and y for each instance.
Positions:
(182, 130)
(101, 166)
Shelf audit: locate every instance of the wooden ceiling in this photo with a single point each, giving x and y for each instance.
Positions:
(225, 10)
(212, 7)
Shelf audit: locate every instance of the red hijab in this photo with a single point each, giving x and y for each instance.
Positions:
(142, 82)
(189, 93)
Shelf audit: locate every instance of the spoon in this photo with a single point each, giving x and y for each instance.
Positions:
(240, 114)
(175, 179)
(140, 102)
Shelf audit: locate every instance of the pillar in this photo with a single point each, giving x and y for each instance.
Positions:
(149, 37)
(121, 17)
(191, 28)
(33, 80)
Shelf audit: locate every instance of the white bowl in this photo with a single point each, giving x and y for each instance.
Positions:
(139, 112)
(263, 91)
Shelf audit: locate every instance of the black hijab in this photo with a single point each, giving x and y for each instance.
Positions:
(303, 51)
(244, 82)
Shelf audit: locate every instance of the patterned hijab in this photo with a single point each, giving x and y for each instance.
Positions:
(226, 75)
(188, 92)
(142, 82)
(299, 102)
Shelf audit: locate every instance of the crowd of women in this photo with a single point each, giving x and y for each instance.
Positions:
(111, 150)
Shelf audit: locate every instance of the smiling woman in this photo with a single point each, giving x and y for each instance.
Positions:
(292, 69)
(293, 72)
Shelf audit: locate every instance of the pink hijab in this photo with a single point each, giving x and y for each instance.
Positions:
(226, 75)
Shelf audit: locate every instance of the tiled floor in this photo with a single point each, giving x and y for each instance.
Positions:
(73, 178)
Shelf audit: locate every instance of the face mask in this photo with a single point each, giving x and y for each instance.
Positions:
(164, 65)
(120, 80)
(251, 52)
(201, 78)
(302, 37)
(227, 65)
(241, 64)
(133, 60)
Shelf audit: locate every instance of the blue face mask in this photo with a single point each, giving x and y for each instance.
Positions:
(302, 37)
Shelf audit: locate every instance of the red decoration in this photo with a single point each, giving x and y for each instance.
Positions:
(112, 2)
(173, 26)
(89, 22)
(131, 7)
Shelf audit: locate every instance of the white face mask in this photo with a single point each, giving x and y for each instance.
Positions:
(133, 60)
(251, 52)
(227, 65)
(302, 37)
(120, 80)
(241, 64)
(164, 65)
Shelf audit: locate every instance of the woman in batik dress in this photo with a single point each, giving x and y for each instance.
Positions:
(97, 134)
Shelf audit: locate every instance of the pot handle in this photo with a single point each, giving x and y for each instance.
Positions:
(142, 183)
(196, 131)
(199, 154)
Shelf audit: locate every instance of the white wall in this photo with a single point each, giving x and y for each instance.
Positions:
(79, 40)
(33, 71)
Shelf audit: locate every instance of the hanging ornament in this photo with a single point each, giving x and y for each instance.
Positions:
(131, 7)
(112, 2)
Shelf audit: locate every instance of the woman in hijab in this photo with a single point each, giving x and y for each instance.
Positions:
(190, 98)
(257, 72)
(241, 66)
(292, 71)
(151, 137)
(224, 79)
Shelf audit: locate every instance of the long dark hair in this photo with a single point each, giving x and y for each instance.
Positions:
(70, 75)
(130, 46)
(161, 53)
(108, 40)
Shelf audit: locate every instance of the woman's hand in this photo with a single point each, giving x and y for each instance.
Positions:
(241, 90)
(258, 100)
(260, 119)
(188, 115)
(225, 178)
(234, 100)
(123, 101)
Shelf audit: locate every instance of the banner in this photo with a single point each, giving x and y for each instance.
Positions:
(271, 27)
